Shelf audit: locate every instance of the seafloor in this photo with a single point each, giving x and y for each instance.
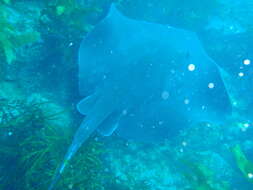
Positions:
(39, 41)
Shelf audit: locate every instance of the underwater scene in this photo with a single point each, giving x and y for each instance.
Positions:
(126, 95)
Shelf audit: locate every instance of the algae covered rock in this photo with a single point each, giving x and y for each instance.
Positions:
(142, 166)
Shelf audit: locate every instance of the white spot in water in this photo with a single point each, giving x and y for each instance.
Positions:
(172, 71)
(250, 175)
(160, 122)
(71, 44)
(246, 62)
(234, 103)
(124, 112)
(186, 101)
(191, 67)
(10, 133)
(243, 129)
(246, 125)
(211, 85)
(165, 95)
(70, 186)
(184, 143)
(241, 74)
(203, 107)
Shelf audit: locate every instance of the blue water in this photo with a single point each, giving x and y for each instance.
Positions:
(138, 95)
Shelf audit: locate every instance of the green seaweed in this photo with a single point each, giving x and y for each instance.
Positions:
(47, 153)
(202, 178)
(37, 145)
(10, 37)
(69, 16)
(243, 164)
(6, 1)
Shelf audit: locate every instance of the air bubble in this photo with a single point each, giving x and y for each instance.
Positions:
(211, 85)
(191, 67)
(246, 62)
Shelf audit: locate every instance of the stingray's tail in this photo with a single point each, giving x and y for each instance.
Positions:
(81, 135)
(94, 118)
(55, 179)
(72, 150)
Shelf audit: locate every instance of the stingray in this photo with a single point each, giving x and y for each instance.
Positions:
(144, 81)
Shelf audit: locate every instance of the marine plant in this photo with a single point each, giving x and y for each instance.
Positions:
(45, 154)
(33, 145)
(10, 37)
(67, 17)
(17, 122)
(201, 177)
(243, 164)
(6, 1)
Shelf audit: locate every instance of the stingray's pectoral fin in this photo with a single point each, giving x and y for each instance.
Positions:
(86, 104)
(99, 112)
